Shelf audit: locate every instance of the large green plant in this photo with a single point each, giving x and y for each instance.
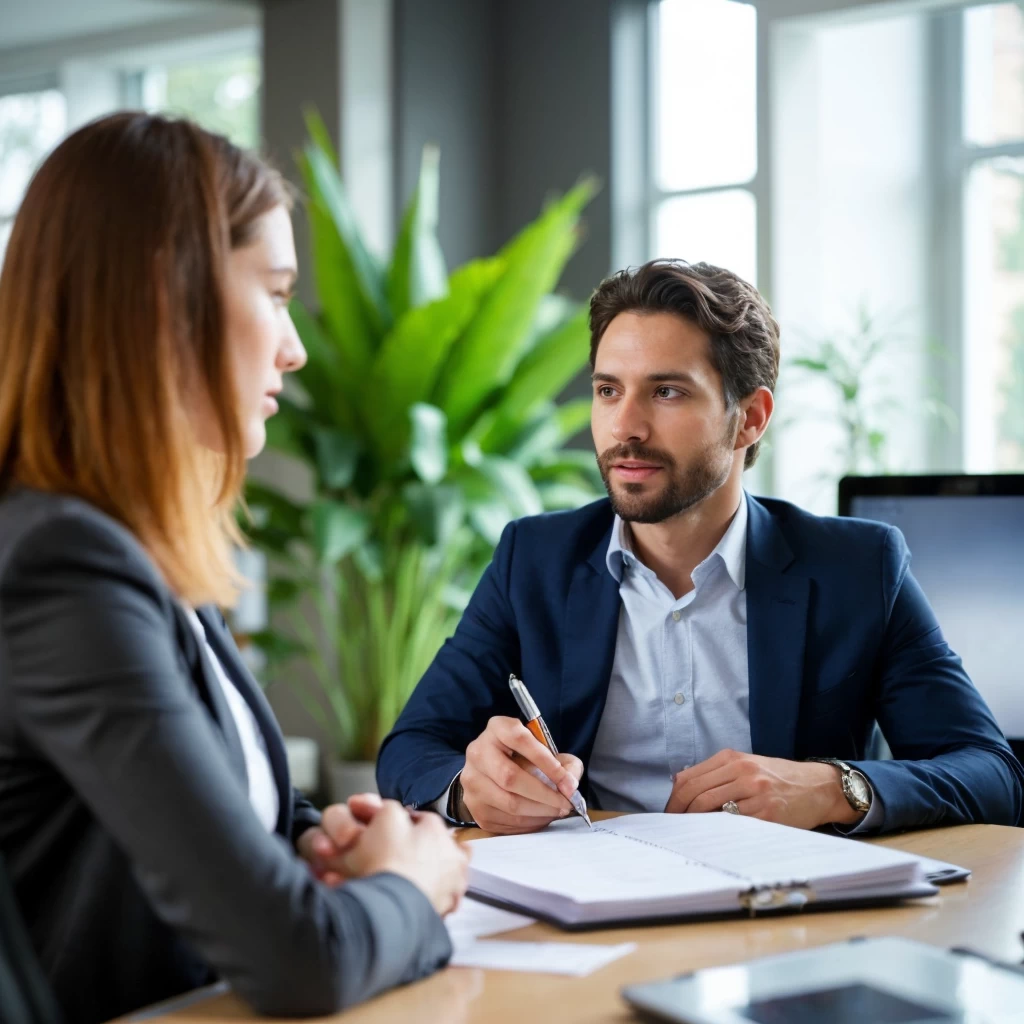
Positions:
(426, 416)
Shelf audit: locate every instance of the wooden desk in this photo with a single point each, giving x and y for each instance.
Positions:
(987, 914)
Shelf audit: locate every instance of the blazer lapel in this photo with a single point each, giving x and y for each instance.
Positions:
(210, 692)
(776, 633)
(224, 647)
(588, 650)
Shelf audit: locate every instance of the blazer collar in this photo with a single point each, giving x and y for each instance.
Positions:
(223, 646)
(777, 603)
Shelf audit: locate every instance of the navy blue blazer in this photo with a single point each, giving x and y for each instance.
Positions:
(839, 636)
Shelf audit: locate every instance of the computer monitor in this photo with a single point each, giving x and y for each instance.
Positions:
(966, 539)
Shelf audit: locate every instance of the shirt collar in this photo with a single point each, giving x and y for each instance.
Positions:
(731, 549)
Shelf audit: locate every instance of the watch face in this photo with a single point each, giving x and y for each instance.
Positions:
(859, 788)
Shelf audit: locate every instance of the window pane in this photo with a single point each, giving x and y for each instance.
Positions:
(221, 93)
(993, 73)
(706, 93)
(30, 124)
(714, 227)
(994, 335)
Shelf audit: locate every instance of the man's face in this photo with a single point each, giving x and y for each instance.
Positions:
(664, 437)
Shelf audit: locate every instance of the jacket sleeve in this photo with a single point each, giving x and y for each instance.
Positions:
(951, 764)
(99, 689)
(464, 687)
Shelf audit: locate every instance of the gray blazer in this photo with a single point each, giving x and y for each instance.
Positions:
(137, 861)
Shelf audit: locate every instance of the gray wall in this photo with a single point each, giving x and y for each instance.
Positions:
(518, 95)
(446, 93)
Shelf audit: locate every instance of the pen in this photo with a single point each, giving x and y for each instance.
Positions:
(538, 727)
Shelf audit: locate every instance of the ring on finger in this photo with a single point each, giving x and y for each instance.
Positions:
(731, 807)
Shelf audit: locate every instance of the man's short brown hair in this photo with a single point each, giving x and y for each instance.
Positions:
(744, 334)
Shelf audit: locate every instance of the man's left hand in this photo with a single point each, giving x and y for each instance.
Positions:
(797, 793)
(341, 825)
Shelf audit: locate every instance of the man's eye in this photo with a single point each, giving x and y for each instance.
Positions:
(667, 392)
(606, 391)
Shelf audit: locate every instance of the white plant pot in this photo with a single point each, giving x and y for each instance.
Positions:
(351, 777)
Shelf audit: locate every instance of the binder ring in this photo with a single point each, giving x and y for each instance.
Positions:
(730, 807)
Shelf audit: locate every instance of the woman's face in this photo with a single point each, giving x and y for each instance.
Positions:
(262, 341)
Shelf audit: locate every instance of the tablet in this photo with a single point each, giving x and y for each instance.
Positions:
(882, 981)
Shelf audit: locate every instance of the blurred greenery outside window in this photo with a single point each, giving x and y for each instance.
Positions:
(705, 154)
(993, 112)
(31, 123)
(221, 92)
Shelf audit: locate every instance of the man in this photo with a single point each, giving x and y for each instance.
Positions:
(694, 648)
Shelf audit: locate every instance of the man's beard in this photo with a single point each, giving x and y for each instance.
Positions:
(682, 489)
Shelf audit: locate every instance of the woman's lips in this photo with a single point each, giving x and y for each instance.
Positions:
(269, 404)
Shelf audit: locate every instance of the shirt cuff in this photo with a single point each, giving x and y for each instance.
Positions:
(441, 803)
(871, 821)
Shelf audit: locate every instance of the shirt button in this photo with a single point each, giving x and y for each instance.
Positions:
(677, 616)
(679, 698)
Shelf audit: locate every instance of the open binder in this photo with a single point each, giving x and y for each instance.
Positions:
(659, 867)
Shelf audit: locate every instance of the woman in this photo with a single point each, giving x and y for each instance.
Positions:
(146, 815)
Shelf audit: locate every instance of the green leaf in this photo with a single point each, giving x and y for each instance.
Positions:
(337, 529)
(280, 511)
(538, 438)
(288, 430)
(337, 453)
(325, 184)
(277, 647)
(573, 417)
(541, 376)
(565, 495)
(806, 363)
(428, 449)
(327, 378)
(418, 274)
(487, 354)
(512, 485)
(283, 591)
(437, 512)
(318, 133)
(411, 356)
(489, 518)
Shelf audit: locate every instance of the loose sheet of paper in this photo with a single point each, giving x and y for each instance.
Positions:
(474, 919)
(574, 958)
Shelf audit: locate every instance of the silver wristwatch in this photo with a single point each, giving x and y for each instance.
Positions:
(856, 787)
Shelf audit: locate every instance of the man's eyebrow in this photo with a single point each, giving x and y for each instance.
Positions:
(662, 377)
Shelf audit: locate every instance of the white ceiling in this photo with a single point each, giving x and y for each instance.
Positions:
(36, 22)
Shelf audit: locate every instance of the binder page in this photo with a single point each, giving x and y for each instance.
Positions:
(768, 854)
(589, 866)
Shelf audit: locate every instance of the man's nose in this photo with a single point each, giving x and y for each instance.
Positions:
(630, 422)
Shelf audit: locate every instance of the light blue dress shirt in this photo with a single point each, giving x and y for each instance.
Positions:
(679, 688)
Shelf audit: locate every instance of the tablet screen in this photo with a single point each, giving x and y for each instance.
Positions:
(847, 1004)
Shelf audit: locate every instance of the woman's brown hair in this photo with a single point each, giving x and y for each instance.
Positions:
(112, 328)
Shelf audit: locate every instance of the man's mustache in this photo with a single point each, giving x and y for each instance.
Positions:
(636, 453)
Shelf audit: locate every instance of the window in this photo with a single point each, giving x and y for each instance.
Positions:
(705, 133)
(220, 92)
(31, 123)
(992, 148)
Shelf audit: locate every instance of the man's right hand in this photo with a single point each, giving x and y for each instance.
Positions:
(498, 789)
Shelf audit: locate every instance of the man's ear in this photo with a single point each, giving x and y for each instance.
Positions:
(755, 415)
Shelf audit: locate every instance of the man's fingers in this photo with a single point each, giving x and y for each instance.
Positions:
(688, 788)
(572, 764)
(517, 738)
(514, 776)
(490, 794)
